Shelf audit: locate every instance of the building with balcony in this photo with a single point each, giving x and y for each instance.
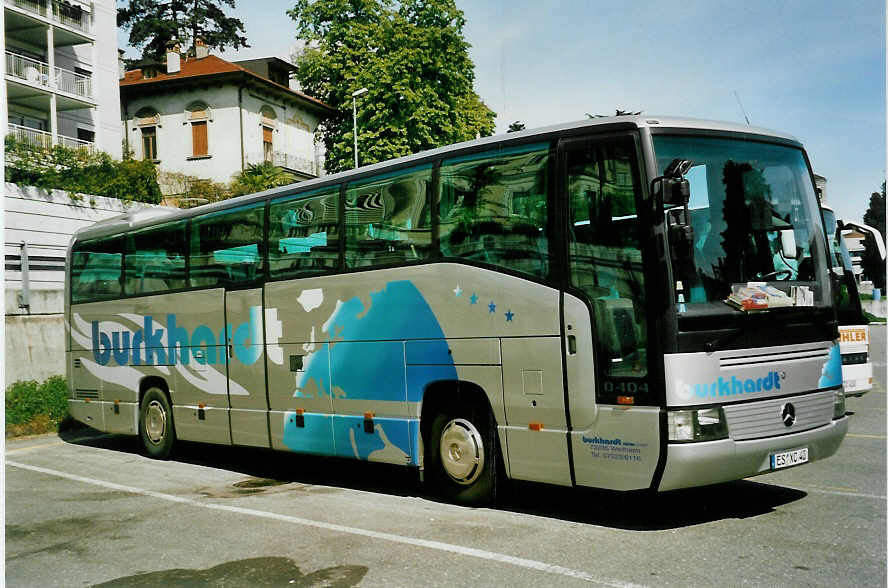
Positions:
(62, 73)
(209, 118)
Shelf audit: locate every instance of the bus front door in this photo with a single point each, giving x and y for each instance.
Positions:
(247, 396)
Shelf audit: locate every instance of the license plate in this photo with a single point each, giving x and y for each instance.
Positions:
(787, 459)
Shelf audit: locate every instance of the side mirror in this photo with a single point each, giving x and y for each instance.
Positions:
(788, 243)
(676, 191)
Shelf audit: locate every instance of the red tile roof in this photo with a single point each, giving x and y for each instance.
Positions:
(206, 66)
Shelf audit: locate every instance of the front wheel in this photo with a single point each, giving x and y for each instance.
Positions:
(156, 424)
(461, 456)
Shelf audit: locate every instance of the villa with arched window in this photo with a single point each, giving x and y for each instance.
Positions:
(210, 118)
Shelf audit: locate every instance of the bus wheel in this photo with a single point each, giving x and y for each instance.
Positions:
(156, 424)
(461, 458)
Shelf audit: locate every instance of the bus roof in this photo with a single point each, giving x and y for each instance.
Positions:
(133, 220)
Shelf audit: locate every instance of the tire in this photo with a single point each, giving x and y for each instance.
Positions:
(156, 430)
(461, 455)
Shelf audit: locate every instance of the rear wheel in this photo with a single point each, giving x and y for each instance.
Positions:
(461, 455)
(156, 429)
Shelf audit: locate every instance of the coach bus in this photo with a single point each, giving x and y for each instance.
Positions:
(857, 369)
(622, 303)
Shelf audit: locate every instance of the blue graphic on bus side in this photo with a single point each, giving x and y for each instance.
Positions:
(366, 355)
(831, 376)
(145, 346)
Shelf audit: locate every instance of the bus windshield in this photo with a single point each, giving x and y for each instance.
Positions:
(754, 218)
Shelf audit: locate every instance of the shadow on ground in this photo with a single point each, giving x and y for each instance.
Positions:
(642, 511)
(259, 571)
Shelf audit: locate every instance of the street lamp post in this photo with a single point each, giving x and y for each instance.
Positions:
(355, 95)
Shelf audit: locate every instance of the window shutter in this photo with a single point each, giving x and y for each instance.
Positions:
(199, 138)
(266, 135)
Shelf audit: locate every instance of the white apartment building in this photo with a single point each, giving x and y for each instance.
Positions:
(206, 117)
(62, 73)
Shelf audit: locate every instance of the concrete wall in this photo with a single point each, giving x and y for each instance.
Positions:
(45, 221)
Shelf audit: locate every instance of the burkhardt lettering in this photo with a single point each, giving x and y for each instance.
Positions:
(737, 386)
(155, 345)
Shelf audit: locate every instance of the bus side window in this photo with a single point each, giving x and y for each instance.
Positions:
(303, 234)
(493, 208)
(155, 259)
(226, 248)
(388, 219)
(605, 255)
(96, 268)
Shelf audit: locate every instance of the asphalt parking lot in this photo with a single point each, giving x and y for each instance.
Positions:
(85, 509)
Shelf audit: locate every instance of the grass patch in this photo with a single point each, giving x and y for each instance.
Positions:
(873, 318)
(33, 408)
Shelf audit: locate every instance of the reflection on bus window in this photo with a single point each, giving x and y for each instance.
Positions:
(303, 234)
(226, 248)
(606, 262)
(155, 259)
(493, 208)
(96, 269)
(388, 219)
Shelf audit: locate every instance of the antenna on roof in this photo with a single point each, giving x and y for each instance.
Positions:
(743, 110)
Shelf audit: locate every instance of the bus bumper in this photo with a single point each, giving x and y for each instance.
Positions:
(712, 462)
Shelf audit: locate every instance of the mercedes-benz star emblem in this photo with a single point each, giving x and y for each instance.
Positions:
(787, 413)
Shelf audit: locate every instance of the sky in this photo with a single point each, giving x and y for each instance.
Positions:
(814, 69)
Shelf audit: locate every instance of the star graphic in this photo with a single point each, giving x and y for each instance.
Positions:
(491, 306)
(509, 315)
(473, 299)
(457, 291)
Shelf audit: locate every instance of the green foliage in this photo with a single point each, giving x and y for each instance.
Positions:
(516, 126)
(258, 177)
(26, 400)
(413, 59)
(871, 263)
(78, 170)
(154, 24)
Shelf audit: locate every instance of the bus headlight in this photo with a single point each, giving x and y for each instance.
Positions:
(839, 404)
(704, 424)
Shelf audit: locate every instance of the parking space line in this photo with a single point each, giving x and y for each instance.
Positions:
(862, 436)
(412, 541)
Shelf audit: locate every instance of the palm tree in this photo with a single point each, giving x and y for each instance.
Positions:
(260, 176)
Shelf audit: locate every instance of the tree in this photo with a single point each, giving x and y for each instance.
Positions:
(516, 126)
(414, 61)
(258, 177)
(80, 171)
(871, 263)
(154, 24)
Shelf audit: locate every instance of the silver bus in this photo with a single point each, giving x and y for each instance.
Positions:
(623, 303)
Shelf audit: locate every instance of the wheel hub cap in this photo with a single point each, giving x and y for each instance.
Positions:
(462, 451)
(155, 422)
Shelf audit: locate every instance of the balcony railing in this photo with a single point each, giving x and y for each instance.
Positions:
(43, 139)
(62, 13)
(287, 161)
(37, 72)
